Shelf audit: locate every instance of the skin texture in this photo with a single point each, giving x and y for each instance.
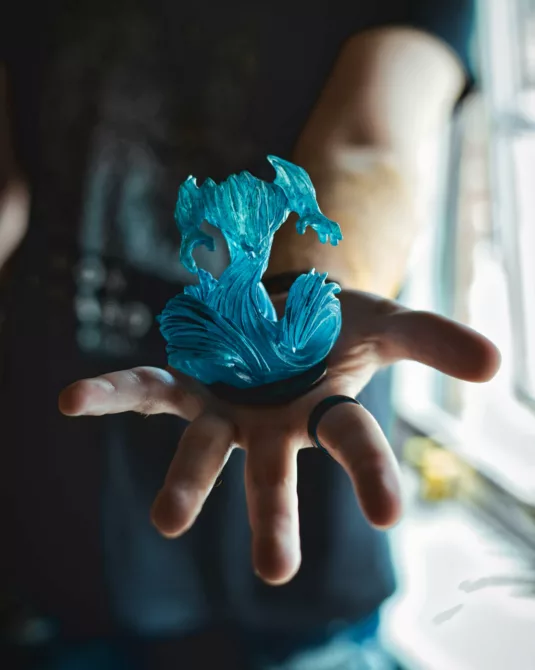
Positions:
(390, 91)
(376, 332)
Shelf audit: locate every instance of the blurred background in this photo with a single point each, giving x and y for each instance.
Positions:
(465, 552)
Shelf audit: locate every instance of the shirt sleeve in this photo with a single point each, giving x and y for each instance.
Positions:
(452, 21)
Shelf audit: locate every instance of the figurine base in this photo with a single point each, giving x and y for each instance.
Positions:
(276, 393)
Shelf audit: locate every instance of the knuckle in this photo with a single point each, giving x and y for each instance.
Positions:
(339, 429)
(273, 513)
(146, 403)
(144, 382)
(139, 377)
(270, 482)
(279, 520)
(103, 382)
(147, 406)
(386, 307)
(212, 426)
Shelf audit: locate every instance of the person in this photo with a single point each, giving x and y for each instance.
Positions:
(107, 108)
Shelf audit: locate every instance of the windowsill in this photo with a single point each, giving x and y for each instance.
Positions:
(488, 449)
(462, 601)
(496, 432)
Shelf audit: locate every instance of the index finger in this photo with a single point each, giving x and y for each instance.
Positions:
(145, 390)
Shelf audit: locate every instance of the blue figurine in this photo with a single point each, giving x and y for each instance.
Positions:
(225, 332)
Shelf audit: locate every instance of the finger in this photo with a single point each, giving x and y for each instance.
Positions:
(271, 488)
(200, 457)
(144, 389)
(445, 345)
(353, 437)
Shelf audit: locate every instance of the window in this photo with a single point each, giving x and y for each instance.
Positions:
(477, 263)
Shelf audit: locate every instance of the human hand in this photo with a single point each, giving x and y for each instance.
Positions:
(375, 333)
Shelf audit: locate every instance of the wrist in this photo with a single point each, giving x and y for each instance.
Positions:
(372, 199)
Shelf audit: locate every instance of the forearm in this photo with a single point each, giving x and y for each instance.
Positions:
(374, 206)
(391, 92)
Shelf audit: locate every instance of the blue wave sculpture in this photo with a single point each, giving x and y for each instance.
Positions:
(226, 331)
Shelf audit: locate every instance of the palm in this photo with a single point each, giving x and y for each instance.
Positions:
(375, 333)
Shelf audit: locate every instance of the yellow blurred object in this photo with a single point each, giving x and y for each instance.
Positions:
(414, 450)
(440, 470)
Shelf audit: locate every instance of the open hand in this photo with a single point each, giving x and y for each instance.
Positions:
(375, 333)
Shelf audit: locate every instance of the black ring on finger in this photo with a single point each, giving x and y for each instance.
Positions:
(318, 412)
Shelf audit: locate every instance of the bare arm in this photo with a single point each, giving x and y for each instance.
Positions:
(14, 196)
(392, 90)
(378, 86)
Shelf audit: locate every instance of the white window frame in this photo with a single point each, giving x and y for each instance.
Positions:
(497, 435)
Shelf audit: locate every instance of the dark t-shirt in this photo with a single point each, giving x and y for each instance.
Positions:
(116, 103)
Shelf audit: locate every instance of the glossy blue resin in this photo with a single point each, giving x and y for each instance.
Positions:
(226, 330)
